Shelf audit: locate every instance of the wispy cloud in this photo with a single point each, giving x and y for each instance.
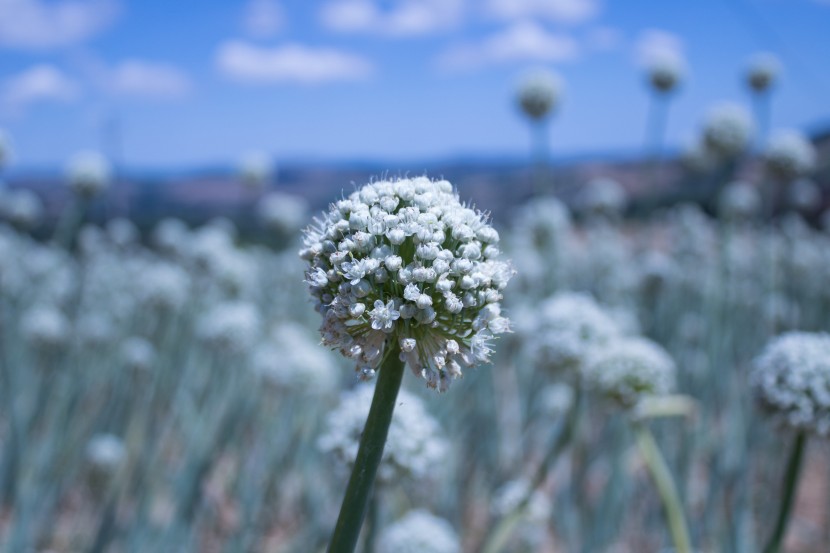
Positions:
(524, 41)
(36, 24)
(40, 83)
(561, 11)
(263, 18)
(404, 18)
(136, 77)
(656, 44)
(289, 63)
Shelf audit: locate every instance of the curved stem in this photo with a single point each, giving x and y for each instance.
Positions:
(665, 487)
(356, 500)
(504, 529)
(790, 486)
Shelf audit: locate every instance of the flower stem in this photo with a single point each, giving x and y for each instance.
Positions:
(665, 487)
(790, 486)
(356, 500)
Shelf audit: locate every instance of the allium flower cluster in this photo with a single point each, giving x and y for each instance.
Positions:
(45, 328)
(665, 72)
(406, 262)
(415, 447)
(256, 170)
(106, 452)
(569, 327)
(23, 209)
(628, 370)
(138, 354)
(539, 94)
(790, 155)
(762, 72)
(283, 213)
(602, 196)
(88, 174)
(230, 327)
(791, 381)
(727, 130)
(739, 201)
(420, 532)
(292, 361)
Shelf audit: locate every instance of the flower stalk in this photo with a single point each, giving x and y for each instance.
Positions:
(359, 490)
(791, 477)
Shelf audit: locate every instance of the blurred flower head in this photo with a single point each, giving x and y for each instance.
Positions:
(602, 197)
(762, 72)
(739, 201)
(290, 360)
(283, 214)
(88, 174)
(540, 94)
(727, 131)
(665, 72)
(628, 370)
(420, 532)
(23, 209)
(415, 447)
(405, 262)
(789, 155)
(45, 328)
(791, 380)
(257, 170)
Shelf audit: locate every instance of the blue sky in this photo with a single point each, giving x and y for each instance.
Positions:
(192, 83)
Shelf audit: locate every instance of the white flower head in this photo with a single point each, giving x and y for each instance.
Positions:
(23, 209)
(628, 370)
(791, 381)
(568, 327)
(420, 532)
(727, 130)
(739, 201)
(763, 72)
(45, 328)
(230, 327)
(256, 170)
(405, 260)
(283, 214)
(665, 71)
(170, 236)
(138, 354)
(789, 155)
(106, 452)
(89, 174)
(603, 197)
(290, 360)
(539, 94)
(414, 449)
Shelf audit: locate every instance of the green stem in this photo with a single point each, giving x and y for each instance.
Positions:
(356, 500)
(665, 487)
(790, 486)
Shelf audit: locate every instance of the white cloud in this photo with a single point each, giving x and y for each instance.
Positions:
(263, 18)
(404, 18)
(657, 44)
(289, 63)
(41, 83)
(36, 24)
(525, 41)
(150, 79)
(561, 11)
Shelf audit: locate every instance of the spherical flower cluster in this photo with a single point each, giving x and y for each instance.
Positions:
(283, 214)
(791, 381)
(695, 157)
(762, 72)
(405, 262)
(292, 361)
(256, 170)
(106, 452)
(230, 327)
(555, 400)
(23, 209)
(45, 328)
(789, 155)
(414, 449)
(665, 72)
(138, 354)
(569, 327)
(539, 94)
(739, 201)
(171, 237)
(727, 130)
(163, 286)
(88, 174)
(604, 197)
(122, 232)
(628, 370)
(420, 532)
